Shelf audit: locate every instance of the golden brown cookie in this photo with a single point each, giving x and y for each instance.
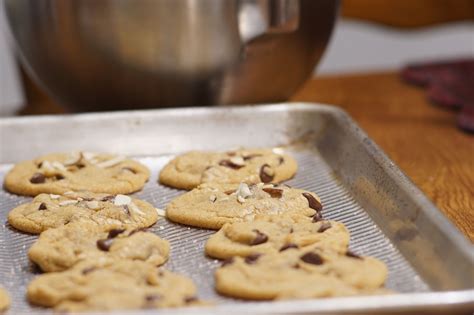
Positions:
(188, 170)
(271, 234)
(77, 171)
(295, 273)
(111, 284)
(213, 205)
(61, 248)
(47, 211)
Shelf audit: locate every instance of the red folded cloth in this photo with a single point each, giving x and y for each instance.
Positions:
(450, 84)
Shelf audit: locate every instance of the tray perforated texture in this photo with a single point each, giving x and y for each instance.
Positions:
(187, 244)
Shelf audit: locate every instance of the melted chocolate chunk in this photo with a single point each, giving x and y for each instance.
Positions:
(324, 226)
(252, 259)
(313, 202)
(265, 177)
(274, 192)
(317, 217)
(312, 258)
(281, 160)
(190, 299)
(42, 206)
(352, 255)
(228, 261)
(88, 270)
(114, 232)
(129, 169)
(80, 165)
(259, 239)
(230, 164)
(58, 177)
(229, 192)
(37, 178)
(104, 244)
(40, 164)
(288, 246)
(251, 156)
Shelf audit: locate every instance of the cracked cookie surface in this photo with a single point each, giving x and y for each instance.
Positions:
(188, 170)
(213, 205)
(47, 211)
(60, 248)
(77, 171)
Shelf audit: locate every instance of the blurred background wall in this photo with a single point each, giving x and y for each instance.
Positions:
(371, 35)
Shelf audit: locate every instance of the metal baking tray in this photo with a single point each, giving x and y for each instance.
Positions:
(430, 262)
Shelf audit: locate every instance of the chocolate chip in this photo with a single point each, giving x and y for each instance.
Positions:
(229, 192)
(296, 266)
(114, 232)
(230, 164)
(324, 226)
(228, 261)
(160, 273)
(58, 177)
(265, 177)
(152, 297)
(40, 164)
(259, 239)
(108, 198)
(42, 206)
(281, 160)
(190, 299)
(312, 258)
(288, 246)
(251, 156)
(37, 178)
(352, 255)
(274, 192)
(251, 259)
(129, 169)
(80, 165)
(104, 244)
(88, 270)
(313, 202)
(317, 217)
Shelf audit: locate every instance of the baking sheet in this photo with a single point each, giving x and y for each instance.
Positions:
(308, 138)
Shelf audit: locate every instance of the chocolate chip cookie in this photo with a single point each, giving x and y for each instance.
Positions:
(4, 300)
(108, 284)
(47, 211)
(212, 205)
(295, 273)
(61, 248)
(272, 234)
(188, 170)
(76, 171)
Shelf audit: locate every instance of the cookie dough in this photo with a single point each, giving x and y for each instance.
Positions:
(272, 234)
(61, 248)
(109, 284)
(4, 300)
(188, 170)
(76, 171)
(47, 211)
(212, 205)
(296, 273)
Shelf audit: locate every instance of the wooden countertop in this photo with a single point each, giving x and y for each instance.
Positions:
(421, 138)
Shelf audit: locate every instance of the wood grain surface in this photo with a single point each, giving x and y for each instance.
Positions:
(422, 139)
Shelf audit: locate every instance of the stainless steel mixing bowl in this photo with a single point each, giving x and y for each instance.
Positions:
(113, 54)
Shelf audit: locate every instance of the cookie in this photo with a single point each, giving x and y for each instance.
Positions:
(213, 205)
(61, 172)
(109, 284)
(61, 248)
(271, 234)
(295, 273)
(4, 300)
(47, 211)
(188, 170)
